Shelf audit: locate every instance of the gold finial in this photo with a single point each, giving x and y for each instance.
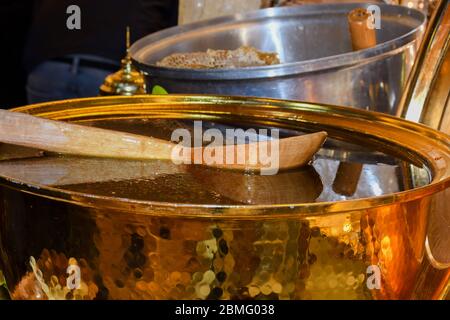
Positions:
(128, 39)
(128, 81)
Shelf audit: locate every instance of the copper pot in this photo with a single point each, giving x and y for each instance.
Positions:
(370, 245)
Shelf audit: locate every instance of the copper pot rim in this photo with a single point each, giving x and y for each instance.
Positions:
(419, 142)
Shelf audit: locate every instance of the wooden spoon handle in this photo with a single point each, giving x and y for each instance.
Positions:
(61, 137)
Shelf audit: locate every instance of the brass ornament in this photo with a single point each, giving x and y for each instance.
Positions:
(128, 81)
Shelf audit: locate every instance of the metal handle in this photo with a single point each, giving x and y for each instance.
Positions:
(426, 96)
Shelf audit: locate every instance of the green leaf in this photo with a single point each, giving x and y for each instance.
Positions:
(159, 90)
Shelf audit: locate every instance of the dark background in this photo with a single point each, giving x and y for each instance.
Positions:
(30, 35)
(15, 20)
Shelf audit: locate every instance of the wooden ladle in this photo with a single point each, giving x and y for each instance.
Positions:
(62, 137)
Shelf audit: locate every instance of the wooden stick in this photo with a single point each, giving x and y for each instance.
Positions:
(347, 178)
(61, 137)
(362, 37)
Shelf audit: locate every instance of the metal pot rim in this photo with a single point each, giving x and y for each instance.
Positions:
(430, 146)
(382, 50)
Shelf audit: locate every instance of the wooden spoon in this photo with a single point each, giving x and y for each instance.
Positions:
(61, 137)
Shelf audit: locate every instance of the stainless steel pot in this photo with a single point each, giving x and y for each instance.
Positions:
(318, 64)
